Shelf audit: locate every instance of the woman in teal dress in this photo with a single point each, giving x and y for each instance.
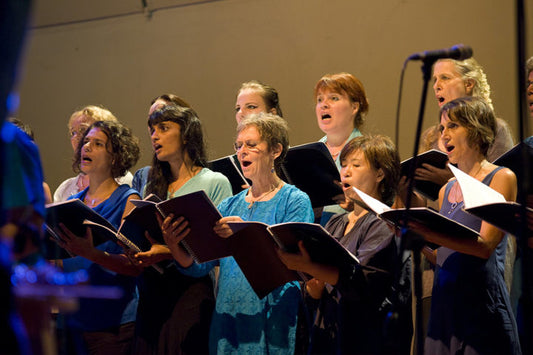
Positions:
(175, 310)
(243, 323)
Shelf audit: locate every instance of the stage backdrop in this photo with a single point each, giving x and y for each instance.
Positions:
(121, 54)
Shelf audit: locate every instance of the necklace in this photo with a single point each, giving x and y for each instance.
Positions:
(92, 202)
(262, 196)
(336, 154)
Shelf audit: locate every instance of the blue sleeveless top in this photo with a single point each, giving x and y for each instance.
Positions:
(470, 306)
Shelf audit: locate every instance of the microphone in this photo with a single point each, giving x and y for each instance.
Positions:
(458, 52)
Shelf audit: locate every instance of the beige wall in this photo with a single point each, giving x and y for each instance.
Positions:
(203, 52)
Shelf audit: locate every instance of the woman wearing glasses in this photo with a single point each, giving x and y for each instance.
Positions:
(243, 323)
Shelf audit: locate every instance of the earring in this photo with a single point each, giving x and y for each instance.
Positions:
(272, 169)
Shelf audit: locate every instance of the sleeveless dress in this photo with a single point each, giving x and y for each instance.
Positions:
(470, 309)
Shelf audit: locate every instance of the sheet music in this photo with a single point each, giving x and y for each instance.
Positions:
(375, 205)
(475, 193)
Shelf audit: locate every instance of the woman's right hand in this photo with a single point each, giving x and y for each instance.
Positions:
(174, 230)
(431, 173)
(315, 288)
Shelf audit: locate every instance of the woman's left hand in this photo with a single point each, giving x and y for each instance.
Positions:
(299, 262)
(158, 252)
(222, 228)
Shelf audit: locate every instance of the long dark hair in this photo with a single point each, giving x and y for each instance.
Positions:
(192, 140)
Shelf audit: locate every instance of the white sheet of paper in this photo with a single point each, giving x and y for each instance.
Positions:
(475, 193)
(375, 205)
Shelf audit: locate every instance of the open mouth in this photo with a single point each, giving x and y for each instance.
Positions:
(87, 159)
(440, 99)
(449, 148)
(157, 147)
(346, 186)
(326, 116)
(246, 163)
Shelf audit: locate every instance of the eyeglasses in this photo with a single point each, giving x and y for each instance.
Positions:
(250, 145)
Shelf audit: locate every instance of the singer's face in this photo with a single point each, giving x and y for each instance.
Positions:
(254, 156)
(454, 138)
(448, 83)
(166, 141)
(77, 128)
(95, 156)
(356, 171)
(249, 101)
(530, 93)
(335, 112)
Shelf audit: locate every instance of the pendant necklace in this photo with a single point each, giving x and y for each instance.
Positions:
(261, 197)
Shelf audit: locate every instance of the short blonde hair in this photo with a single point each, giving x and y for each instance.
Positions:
(92, 114)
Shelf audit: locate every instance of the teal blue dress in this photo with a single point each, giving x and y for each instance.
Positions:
(242, 323)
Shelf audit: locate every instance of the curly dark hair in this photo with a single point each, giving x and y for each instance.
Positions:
(193, 143)
(121, 143)
(380, 152)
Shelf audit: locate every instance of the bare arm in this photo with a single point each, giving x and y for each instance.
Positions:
(83, 246)
(504, 182)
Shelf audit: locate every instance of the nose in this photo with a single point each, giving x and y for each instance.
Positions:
(345, 171)
(436, 85)
(240, 114)
(444, 133)
(154, 136)
(87, 146)
(529, 87)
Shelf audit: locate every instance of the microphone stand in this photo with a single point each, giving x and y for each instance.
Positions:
(523, 125)
(411, 241)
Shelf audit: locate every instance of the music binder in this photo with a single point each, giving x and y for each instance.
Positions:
(202, 243)
(229, 166)
(484, 202)
(423, 215)
(71, 213)
(513, 160)
(255, 244)
(434, 157)
(309, 167)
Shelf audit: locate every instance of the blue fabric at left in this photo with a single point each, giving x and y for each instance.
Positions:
(100, 314)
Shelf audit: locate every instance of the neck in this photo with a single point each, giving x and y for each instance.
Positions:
(337, 140)
(100, 188)
(183, 169)
(473, 166)
(261, 186)
(357, 213)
